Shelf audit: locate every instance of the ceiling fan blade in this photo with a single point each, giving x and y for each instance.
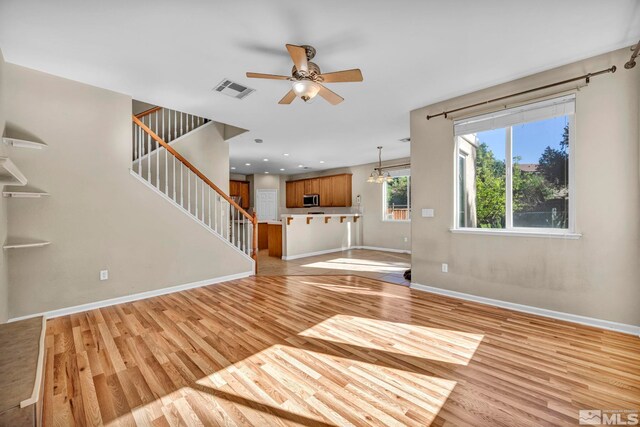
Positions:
(266, 76)
(345, 76)
(288, 98)
(299, 57)
(332, 97)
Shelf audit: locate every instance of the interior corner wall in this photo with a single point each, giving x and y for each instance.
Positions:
(597, 275)
(98, 216)
(376, 233)
(4, 284)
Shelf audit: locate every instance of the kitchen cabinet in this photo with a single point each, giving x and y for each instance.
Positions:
(295, 194)
(312, 186)
(334, 191)
(240, 189)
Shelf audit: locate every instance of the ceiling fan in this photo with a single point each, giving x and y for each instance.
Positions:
(307, 78)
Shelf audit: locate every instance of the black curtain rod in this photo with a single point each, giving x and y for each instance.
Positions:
(586, 77)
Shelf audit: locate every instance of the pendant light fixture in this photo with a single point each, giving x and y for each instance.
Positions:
(378, 176)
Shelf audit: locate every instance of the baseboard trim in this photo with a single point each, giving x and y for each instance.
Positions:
(330, 251)
(376, 248)
(568, 317)
(133, 297)
(308, 254)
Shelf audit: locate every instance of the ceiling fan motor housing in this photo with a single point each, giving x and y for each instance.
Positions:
(312, 74)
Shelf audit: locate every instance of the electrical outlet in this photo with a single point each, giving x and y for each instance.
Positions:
(445, 267)
(104, 274)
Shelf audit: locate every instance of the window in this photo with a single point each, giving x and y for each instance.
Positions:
(396, 196)
(513, 168)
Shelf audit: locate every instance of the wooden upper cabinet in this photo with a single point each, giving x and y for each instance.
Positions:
(244, 193)
(334, 191)
(241, 189)
(298, 189)
(295, 194)
(341, 186)
(234, 188)
(326, 191)
(312, 186)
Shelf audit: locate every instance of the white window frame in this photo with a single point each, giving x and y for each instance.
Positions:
(384, 201)
(567, 233)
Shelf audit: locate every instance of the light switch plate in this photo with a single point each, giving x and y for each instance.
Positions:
(104, 274)
(428, 213)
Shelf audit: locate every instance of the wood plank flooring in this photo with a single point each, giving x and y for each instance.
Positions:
(385, 266)
(329, 350)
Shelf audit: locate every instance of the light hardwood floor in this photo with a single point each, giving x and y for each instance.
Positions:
(385, 266)
(329, 350)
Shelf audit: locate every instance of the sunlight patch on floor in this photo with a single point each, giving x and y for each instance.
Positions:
(398, 338)
(355, 264)
(257, 382)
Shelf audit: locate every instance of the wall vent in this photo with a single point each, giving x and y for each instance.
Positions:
(233, 89)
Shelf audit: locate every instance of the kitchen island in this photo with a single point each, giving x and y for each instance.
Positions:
(306, 235)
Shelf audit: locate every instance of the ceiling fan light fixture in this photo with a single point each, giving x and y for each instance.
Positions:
(306, 89)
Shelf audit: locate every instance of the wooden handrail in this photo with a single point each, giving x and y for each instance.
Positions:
(192, 168)
(147, 112)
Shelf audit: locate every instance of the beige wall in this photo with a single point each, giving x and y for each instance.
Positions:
(596, 276)
(98, 215)
(300, 238)
(4, 286)
(375, 231)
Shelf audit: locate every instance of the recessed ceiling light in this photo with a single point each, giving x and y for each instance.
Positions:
(247, 164)
(300, 166)
(281, 169)
(286, 154)
(258, 141)
(321, 161)
(265, 160)
(266, 172)
(233, 168)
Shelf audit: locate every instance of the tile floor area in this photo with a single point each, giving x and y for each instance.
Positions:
(385, 266)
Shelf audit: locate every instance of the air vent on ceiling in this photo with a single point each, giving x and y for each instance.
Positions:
(233, 89)
(405, 139)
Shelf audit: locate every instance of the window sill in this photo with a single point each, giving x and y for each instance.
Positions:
(397, 220)
(518, 233)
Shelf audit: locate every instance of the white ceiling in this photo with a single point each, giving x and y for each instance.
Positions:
(412, 53)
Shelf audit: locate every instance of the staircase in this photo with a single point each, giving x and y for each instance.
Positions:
(160, 166)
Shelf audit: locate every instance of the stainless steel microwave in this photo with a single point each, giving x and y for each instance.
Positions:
(311, 200)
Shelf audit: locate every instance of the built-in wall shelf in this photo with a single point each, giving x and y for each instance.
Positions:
(24, 243)
(10, 174)
(23, 143)
(24, 194)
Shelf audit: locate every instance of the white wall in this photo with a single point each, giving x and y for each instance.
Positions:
(300, 238)
(4, 286)
(375, 231)
(596, 276)
(98, 215)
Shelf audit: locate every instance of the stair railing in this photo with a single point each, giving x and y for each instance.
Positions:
(174, 176)
(168, 124)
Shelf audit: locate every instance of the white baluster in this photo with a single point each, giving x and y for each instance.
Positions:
(139, 129)
(175, 123)
(195, 182)
(149, 158)
(181, 190)
(174, 177)
(189, 189)
(202, 200)
(209, 194)
(158, 165)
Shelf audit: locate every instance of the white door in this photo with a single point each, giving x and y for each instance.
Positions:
(267, 205)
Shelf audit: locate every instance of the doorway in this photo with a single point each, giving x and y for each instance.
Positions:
(267, 205)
